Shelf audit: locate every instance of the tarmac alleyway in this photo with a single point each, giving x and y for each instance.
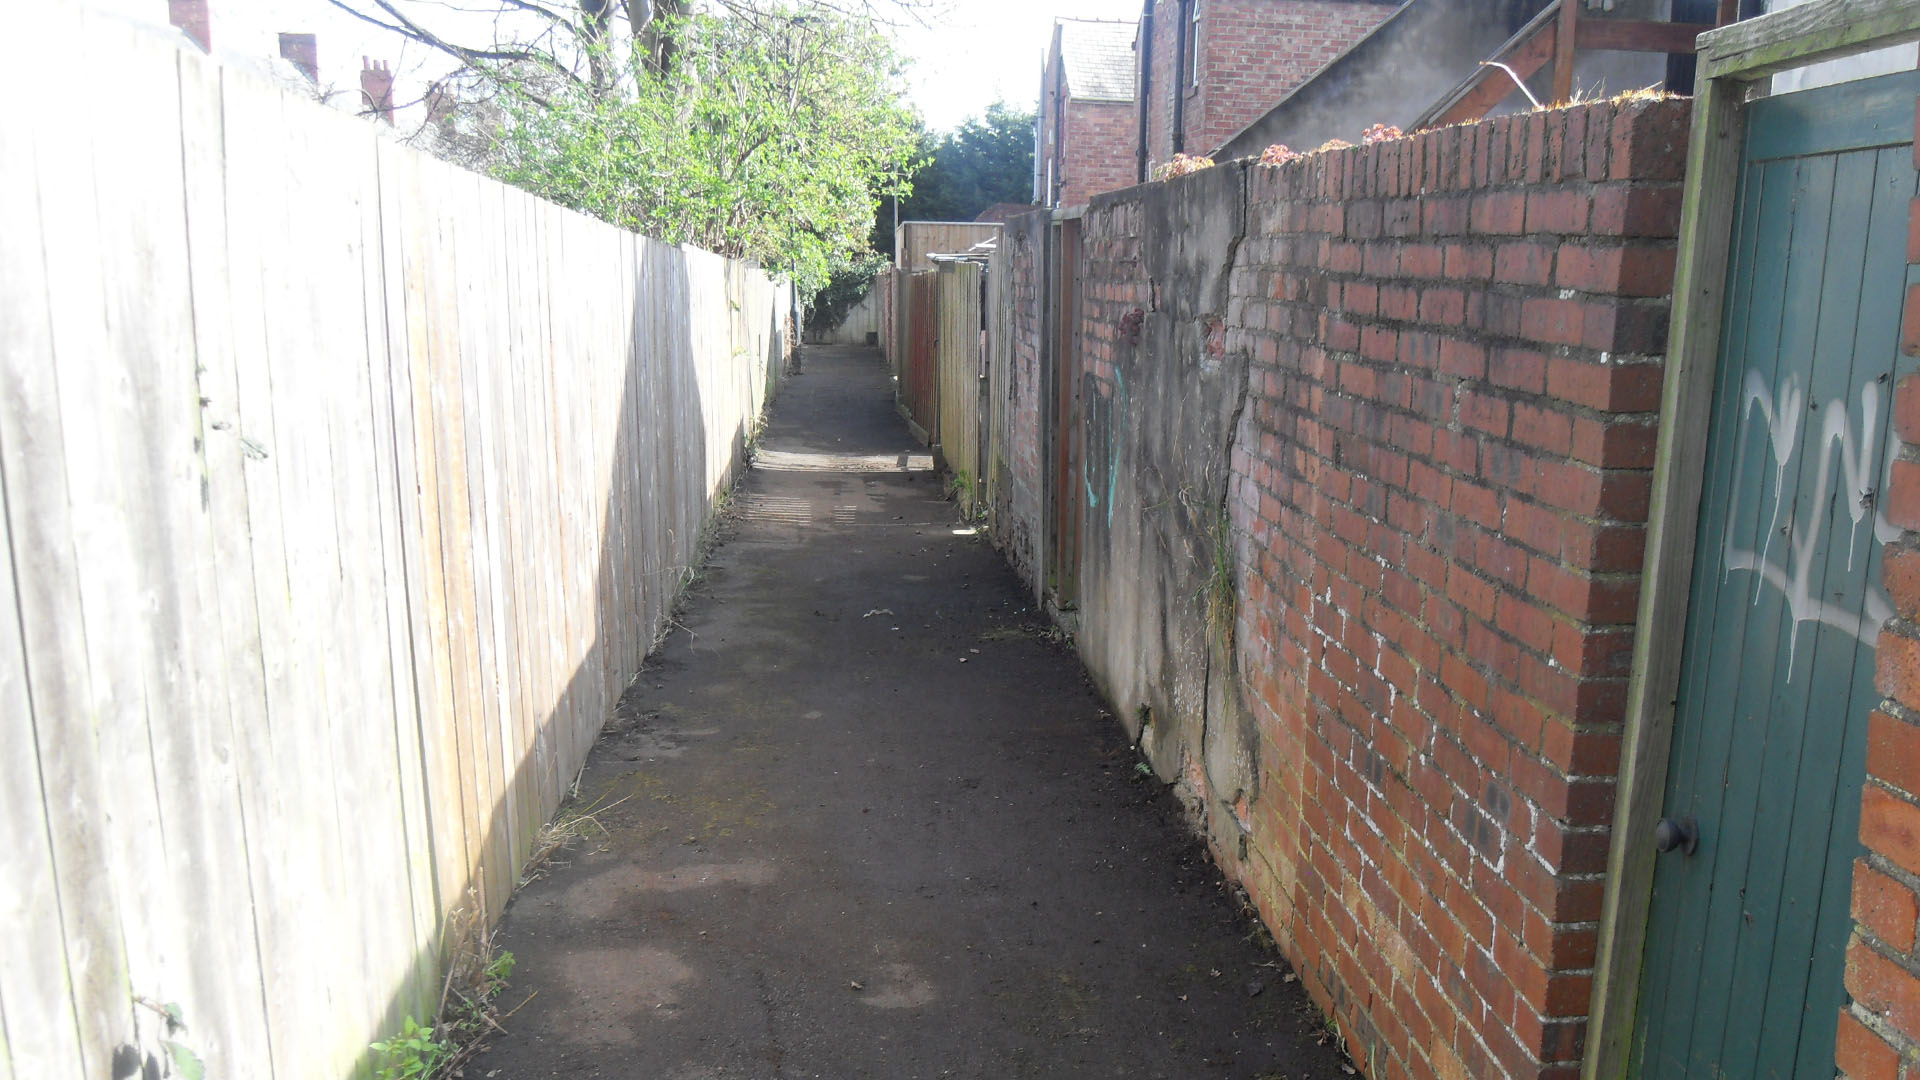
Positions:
(872, 821)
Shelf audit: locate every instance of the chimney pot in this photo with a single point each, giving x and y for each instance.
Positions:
(376, 88)
(303, 52)
(192, 17)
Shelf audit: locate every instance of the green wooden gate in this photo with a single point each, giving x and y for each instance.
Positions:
(1746, 940)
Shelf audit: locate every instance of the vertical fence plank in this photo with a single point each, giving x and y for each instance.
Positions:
(411, 239)
(541, 411)
(510, 509)
(448, 404)
(480, 718)
(567, 264)
(225, 562)
(373, 821)
(311, 300)
(94, 681)
(390, 414)
(532, 572)
(37, 997)
(252, 120)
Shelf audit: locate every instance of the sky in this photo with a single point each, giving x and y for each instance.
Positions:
(982, 49)
(970, 53)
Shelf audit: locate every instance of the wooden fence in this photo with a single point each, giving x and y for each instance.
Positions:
(343, 492)
(958, 367)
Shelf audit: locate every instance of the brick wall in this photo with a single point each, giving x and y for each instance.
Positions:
(1092, 145)
(1442, 498)
(1097, 149)
(1163, 82)
(1436, 362)
(1016, 511)
(1252, 54)
(1880, 1028)
(1046, 135)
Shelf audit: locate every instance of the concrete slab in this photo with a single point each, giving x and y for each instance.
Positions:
(877, 823)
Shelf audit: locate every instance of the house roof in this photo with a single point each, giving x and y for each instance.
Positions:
(1412, 58)
(1001, 211)
(1097, 56)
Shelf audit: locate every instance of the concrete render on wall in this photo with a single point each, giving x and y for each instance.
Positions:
(1158, 449)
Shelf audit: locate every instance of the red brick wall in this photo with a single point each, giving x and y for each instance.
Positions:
(1456, 341)
(1880, 1029)
(1097, 142)
(1097, 149)
(1252, 54)
(1438, 493)
(1164, 81)
(1016, 522)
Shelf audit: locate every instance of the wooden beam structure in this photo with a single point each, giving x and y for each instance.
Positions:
(1638, 35)
(1566, 31)
(1556, 35)
(1526, 52)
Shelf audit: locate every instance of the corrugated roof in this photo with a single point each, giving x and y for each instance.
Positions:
(1098, 58)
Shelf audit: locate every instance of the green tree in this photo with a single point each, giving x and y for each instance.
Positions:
(763, 129)
(770, 138)
(986, 160)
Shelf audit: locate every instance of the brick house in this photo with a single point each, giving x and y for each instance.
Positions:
(1084, 130)
(1211, 67)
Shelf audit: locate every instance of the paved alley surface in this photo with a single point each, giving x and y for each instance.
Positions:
(877, 823)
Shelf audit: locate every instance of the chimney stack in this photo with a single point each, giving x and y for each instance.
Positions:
(303, 52)
(376, 88)
(191, 17)
(439, 103)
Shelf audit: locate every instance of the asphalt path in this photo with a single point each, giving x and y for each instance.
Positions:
(866, 817)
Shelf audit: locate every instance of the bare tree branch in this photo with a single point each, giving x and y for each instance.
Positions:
(473, 57)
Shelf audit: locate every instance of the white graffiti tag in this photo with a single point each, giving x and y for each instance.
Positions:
(1858, 449)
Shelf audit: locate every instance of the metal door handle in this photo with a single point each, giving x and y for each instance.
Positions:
(1683, 833)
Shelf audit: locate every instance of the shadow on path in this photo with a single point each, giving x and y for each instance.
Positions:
(876, 823)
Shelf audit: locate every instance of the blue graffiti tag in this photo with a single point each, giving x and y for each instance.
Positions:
(1113, 447)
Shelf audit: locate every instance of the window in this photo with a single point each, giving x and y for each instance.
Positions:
(1193, 43)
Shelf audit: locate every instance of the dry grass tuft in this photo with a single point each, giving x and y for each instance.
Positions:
(568, 828)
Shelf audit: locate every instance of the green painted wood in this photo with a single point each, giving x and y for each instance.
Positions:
(1803, 34)
(1746, 939)
(1740, 757)
(1661, 990)
(1678, 947)
(1796, 754)
(1817, 893)
(1849, 116)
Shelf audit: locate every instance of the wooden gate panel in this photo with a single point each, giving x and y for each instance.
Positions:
(1747, 940)
(920, 373)
(1069, 438)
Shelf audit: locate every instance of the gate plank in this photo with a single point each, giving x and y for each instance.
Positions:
(1821, 847)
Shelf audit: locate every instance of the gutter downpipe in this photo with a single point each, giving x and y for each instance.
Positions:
(1145, 87)
(1180, 83)
(1057, 182)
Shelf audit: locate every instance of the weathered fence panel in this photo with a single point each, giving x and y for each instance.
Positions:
(957, 369)
(920, 367)
(343, 492)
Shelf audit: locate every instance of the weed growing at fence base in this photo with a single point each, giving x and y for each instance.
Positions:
(467, 1018)
(414, 1054)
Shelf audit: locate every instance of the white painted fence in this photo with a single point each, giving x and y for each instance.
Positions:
(343, 491)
